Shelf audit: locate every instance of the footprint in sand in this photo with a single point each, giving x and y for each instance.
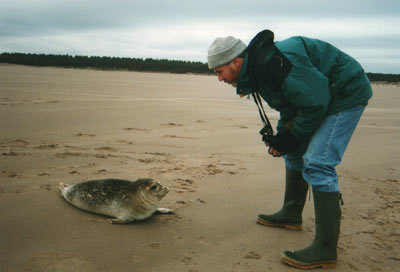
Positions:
(177, 137)
(45, 187)
(84, 134)
(252, 255)
(212, 169)
(68, 154)
(184, 185)
(106, 148)
(12, 153)
(44, 146)
(9, 174)
(241, 126)
(148, 160)
(172, 124)
(19, 143)
(127, 142)
(154, 246)
(137, 129)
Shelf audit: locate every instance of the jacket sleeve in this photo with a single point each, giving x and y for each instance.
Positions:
(307, 90)
(284, 122)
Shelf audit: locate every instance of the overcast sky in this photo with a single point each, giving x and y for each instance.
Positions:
(369, 30)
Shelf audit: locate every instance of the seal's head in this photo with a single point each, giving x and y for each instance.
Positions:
(152, 188)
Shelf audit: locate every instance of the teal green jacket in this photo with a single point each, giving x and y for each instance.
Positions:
(322, 80)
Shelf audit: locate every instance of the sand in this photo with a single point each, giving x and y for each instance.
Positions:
(193, 134)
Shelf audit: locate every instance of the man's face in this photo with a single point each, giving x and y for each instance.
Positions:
(229, 73)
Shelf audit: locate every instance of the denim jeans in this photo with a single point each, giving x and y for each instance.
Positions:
(318, 157)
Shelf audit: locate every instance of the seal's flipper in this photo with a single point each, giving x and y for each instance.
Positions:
(164, 211)
(120, 220)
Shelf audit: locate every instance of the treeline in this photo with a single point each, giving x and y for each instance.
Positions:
(391, 78)
(133, 64)
(106, 63)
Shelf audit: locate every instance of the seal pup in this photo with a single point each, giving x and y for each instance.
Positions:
(125, 200)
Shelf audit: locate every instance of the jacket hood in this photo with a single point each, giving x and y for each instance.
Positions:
(264, 39)
(243, 86)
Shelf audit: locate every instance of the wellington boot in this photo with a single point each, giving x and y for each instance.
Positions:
(322, 252)
(289, 216)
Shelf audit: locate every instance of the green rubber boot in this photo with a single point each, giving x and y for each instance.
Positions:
(322, 252)
(289, 216)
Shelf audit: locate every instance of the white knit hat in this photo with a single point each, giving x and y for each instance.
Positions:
(223, 50)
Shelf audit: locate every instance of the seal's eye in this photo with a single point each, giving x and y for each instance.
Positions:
(154, 187)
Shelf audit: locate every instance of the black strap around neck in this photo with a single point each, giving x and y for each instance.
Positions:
(267, 125)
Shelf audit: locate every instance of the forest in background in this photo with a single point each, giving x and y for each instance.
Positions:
(133, 64)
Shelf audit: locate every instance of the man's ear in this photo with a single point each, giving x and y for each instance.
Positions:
(237, 62)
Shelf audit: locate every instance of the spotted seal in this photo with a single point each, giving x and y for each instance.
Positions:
(125, 200)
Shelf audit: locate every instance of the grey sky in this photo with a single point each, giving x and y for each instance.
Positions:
(368, 30)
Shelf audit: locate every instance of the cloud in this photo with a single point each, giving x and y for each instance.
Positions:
(176, 29)
(49, 15)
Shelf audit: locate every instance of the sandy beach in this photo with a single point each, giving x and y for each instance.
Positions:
(194, 135)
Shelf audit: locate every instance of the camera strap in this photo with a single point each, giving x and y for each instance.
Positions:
(263, 115)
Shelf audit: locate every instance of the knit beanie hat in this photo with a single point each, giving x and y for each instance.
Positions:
(223, 50)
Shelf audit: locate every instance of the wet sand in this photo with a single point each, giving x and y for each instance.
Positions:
(194, 135)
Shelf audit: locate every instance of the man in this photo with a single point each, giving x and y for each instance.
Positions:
(320, 93)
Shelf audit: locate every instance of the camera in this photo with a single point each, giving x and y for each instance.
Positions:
(266, 131)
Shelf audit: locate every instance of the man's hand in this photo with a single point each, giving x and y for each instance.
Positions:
(275, 153)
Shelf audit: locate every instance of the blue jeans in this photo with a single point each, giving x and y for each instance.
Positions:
(318, 157)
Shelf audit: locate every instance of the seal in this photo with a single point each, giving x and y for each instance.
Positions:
(125, 200)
